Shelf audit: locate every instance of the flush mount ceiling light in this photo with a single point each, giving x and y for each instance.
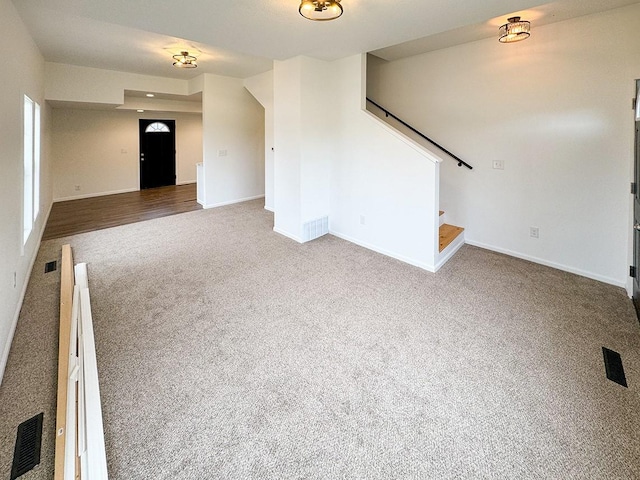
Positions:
(184, 60)
(514, 31)
(320, 10)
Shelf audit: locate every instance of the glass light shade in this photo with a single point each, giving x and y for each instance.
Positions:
(184, 60)
(320, 10)
(188, 64)
(514, 31)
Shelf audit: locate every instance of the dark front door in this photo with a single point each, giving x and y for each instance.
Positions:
(157, 153)
(636, 210)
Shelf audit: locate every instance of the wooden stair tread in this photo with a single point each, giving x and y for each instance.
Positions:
(441, 213)
(448, 233)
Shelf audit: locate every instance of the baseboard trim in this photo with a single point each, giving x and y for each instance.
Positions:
(546, 263)
(16, 316)
(269, 209)
(91, 195)
(287, 234)
(190, 182)
(231, 202)
(388, 253)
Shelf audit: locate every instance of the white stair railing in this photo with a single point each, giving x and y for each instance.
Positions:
(80, 448)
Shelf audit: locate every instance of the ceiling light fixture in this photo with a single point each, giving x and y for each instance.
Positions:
(514, 31)
(140, 111)
(184, 60)
(320, 10)
(150, 95)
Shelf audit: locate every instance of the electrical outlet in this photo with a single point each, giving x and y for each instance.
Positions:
(77, 188)
(362, 220)
(498, 164)
(222, 153)
(534, 232)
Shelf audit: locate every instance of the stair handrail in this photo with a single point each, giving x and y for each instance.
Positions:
(389, 114)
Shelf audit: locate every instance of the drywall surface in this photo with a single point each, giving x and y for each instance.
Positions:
(556, 110)
(384, 192)
(71, 83)
(96, 152)
(233, 142)
(159, 105)
(318, 117)
(304, 141)
(379, 189)
(261, 87)
(287, 88)
(25, 77)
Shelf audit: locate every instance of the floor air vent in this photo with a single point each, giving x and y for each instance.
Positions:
(50, 266)
(27, 452)
(613, 366)
(315, 229)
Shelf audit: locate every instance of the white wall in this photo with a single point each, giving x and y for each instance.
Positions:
(233, 142)
(233, 133)
(159, 105)
(304, 142)
(333, 156)
(287, 92)
(317, 141)
(71, 83)
(261, 87)
(23, 77)
(381, 177)
(99, 150)
(556, 109)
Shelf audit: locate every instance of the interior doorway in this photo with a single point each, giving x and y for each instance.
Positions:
(157, 153)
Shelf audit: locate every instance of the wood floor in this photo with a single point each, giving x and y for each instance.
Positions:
(448, 234)
(89, 214)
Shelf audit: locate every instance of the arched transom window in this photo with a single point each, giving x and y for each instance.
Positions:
(157, 127)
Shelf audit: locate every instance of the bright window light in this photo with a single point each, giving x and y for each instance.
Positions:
(157, 127)
(36, 161)
(31, 163)
(28, 170)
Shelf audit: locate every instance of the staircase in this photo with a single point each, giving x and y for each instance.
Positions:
(451, 238)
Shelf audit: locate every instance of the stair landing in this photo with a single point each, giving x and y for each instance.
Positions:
(448, 234)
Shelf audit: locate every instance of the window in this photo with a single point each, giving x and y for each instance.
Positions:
(157, 127)
(28, 169)
(36, 161)
(31, 161)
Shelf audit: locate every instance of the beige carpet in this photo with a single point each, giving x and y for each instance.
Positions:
(228, 351)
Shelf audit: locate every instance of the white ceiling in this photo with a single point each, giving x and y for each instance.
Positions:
(538, 16)
(240, 38)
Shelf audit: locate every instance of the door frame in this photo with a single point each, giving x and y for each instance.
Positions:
(635, 221)
(171, 123)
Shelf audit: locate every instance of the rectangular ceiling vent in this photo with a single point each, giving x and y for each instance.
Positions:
(315, 229)
(28, 441)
